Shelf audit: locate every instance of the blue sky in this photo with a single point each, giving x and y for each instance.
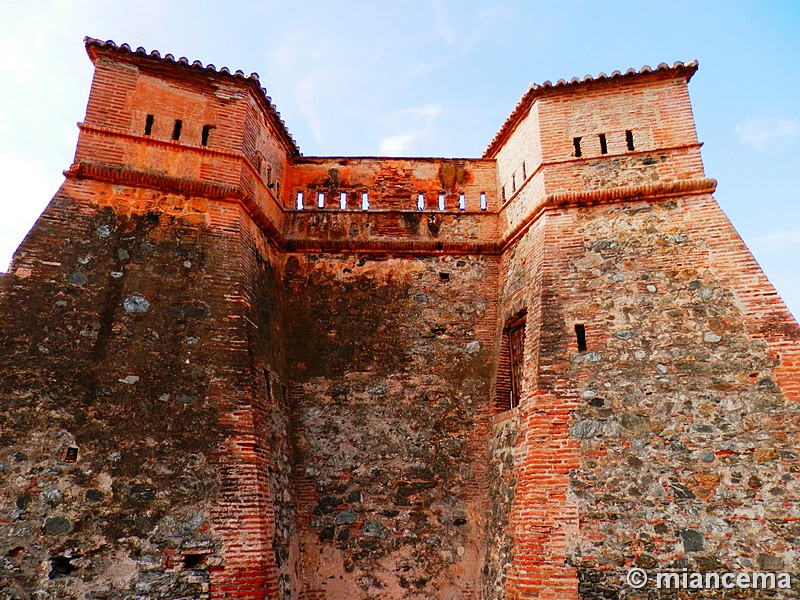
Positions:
(428, 78)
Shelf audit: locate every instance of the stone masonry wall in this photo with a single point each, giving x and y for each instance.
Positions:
(389, 361)
(123, 343)
(687, 451)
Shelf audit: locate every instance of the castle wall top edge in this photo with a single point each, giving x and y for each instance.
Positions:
(322, 159)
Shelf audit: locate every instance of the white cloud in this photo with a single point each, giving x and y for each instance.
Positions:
(758, 132)
(776, 242)
(414, 124)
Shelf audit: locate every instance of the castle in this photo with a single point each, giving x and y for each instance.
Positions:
(233, 371)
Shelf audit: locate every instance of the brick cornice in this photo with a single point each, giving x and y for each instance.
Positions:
(177, 185)
(651, 191)
(305, 246)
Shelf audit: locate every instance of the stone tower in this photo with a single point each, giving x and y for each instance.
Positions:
(232, 371)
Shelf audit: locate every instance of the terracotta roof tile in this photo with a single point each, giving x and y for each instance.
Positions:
(251, 79)
(535, 91)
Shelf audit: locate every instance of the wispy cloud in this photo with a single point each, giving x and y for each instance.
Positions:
(414, 124)
(776, 242)
(758, 132)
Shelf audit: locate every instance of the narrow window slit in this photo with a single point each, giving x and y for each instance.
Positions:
(462, 202)
(321, 200)
(343, 200)
(524, 175)
(629, 139)
(420, 201)
(299, 202)
(484, 205)
(364, 201)
(176, 130)
(603, 144)
(516, 349)
(513, 182)
(576, 143)
(192, 561)
(71, 455)
(441, 201)
(206, 132)
(148, 124)
(580, 334)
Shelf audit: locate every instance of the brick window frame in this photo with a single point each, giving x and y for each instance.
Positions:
(508, 385)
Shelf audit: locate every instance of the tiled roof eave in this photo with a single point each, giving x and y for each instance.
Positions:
(535, 91)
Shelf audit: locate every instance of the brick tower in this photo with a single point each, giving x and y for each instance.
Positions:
(232, 371)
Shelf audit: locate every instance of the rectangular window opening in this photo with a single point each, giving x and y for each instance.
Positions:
(299, 202)
(321, 200)
(524, 175)
(343, 200)
(441, 201)
(364, 201)
(420, 201)
(148, 124)
(576, 143)
(176, 130)
(513, 182)
(629, 139)
(484, 205)
(71, 455)
(462, 202)
(580, 334)
(206, 132)
(516, 349)
(603, 144)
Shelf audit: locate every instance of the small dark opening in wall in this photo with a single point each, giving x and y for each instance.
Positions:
(629, 139)
(603, 144)
(576, 143)
(513, 182)
(580, 334)
(204, 139)
(516, 346)
(444, 276)
(148, 124)
(71, 455)
(267, 384)
(176, 130)
(510, 366)
(524, 175)
(61, 566)
(192, 561)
